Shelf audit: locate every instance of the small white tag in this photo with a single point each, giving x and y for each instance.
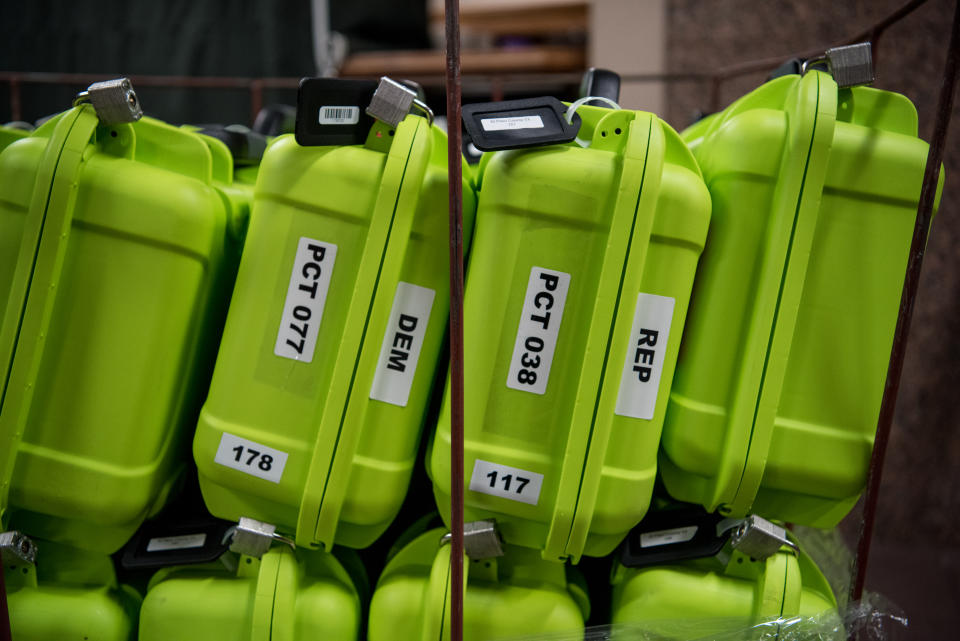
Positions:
(514, 122)
(306, 297)
(647, 349)
(339, 115)
(506, 482)
(251, 457)
(666, 537)
(538, 329)
(182, 542)
(402, 342)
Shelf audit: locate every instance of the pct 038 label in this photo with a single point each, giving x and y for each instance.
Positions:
(506, 482)
(402, 342)
(537, 333)
(306, 297)
(251, 457)
(646, 351)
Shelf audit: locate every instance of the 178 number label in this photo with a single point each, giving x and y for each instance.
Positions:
(250, 457)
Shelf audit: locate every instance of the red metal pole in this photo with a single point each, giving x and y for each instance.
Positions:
(907, 299)
(455, 169)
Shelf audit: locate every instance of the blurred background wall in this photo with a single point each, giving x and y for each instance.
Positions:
(515, 48)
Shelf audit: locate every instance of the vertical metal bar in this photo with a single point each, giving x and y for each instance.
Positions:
(256, 99)
(452, 17)
(907, 299)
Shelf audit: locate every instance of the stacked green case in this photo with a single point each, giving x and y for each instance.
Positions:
(576, 296)
(334, 332)
(782, 367)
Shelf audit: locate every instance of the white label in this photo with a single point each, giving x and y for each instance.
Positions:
(402, 341)
(183, 542)
(339, 115)
(537, 333)
(645, 354)
(514, 122)
(250, 457)
(506, 482)
(306, 297)
(666, 537)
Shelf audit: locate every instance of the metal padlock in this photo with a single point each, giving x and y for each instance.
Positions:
(850, 65)
(758, 538)
(115, 101)
(481, 540)
(16, 549)
(392, 102)
(253, 538)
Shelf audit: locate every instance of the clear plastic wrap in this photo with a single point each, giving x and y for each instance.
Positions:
(872, 619)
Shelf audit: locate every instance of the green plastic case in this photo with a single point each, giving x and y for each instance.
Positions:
(604, 241)
(513, 596)
(69, 594)
(115, 269)
(340, 421)
(284, 596)
(699, 599)
(782, 367)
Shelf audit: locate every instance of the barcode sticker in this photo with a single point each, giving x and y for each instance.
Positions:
(182, 542)
(251, 457)
(666, 537)
(643, 365)
(506, 482)
(339, 115)
(512, 122)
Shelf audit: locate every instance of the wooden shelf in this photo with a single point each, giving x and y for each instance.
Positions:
(533, 59)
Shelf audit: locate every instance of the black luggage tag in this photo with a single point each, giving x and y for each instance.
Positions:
(514, 124)
(673, 535)
(332, 111)
(157, 545)
(601, 83)
(245, 145)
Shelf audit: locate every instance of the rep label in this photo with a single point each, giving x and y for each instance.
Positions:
(306, 297)
(250, 457)
(646, 351)
(537, 333)
(506, 482)
(402, 342)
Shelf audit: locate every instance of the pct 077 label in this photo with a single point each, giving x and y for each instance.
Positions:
(306, 297)
(537, 333)
(646, 352)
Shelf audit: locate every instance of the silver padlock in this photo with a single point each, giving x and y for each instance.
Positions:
(392, 102)
(16, 549)
(850, 65)
(481, 540)
(254, 538)
(115, 101)
(756, 537)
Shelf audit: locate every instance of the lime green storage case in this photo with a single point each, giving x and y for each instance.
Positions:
(115, 270)
(783, 361)
(516, 595)
(69, 594)
(576, 295)
(333, 336)
(284, 596)
(695, 599)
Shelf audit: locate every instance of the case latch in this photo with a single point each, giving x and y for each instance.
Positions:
(850, 65)
(481, 540)
(16, 549)
(392, 102)
(115, 101)
(253, 538)
(756, 537)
